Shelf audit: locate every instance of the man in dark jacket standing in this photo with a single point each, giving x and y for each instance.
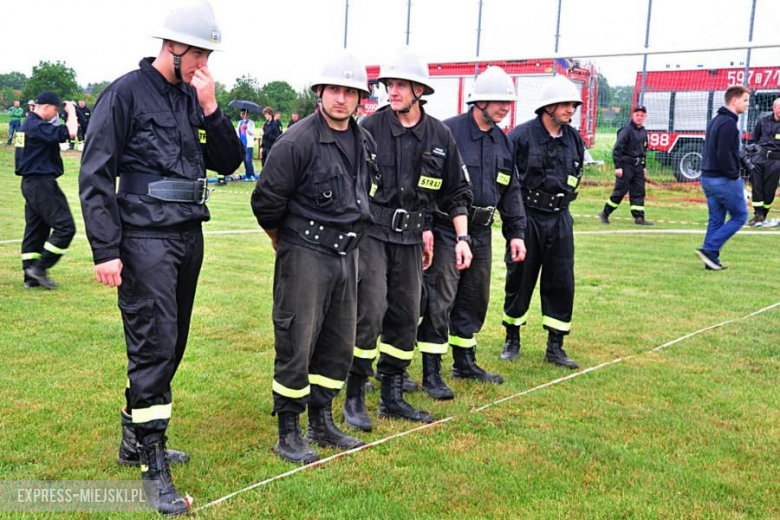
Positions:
(313, 202)
(720, 177)
(84, 113)
(157, 128)
(767, 172)
(272, 130)
(630, 169)
(456, 302)
(549, 155)
(420, 166)
(39, 163)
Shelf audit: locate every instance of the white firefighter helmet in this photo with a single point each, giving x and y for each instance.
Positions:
(409, 66)
(344, 70)
(493, 85)
(191, 22)
(559, 89)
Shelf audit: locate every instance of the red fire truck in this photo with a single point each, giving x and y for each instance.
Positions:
(453, 81)
(680, 103)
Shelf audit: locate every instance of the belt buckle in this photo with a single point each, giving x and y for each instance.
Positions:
(560, 199)
(399, 214)
(202, 192)
(350, 237)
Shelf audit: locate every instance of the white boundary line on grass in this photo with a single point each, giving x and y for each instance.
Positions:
(603, 232)
(451, 418)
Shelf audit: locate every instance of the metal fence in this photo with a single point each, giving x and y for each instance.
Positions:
(664, 54)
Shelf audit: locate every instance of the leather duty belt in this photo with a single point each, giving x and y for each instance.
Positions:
(167, 189)
(341, 242)
(398, 220)
(770, 155)
(481, 216)
(633, 161)
(552, 203)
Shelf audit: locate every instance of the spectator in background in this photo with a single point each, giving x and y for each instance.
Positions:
(30, 108)
(293, 120)
(720, 177)
(246, 132)
(83, 113)
(271, 132)
(361, 113)
(17, 113)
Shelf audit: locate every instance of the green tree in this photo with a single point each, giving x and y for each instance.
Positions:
(14, 80)
(57, 77)
(280, 95)
(95, 89)
(246, 88)
(305, 102)
(7, 97)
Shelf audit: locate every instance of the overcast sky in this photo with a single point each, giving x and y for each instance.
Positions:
(291, 39)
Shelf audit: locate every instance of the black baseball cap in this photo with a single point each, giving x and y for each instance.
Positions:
(640, 108)
(47, 97)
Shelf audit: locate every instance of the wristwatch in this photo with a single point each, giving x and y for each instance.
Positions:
(465, 238)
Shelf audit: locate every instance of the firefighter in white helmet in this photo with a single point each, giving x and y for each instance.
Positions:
(313, 201)
(157, 128)
(456, 302)
(549, 155)
(420, 167)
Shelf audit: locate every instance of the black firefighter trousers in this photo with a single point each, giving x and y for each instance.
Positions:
(49, 226)
(765, 180)
(314, 313)
(632, 182)
(389, 286)
(159, 278)
(454, 303)
(549, 241)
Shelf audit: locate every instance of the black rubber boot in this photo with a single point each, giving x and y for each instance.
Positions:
(604, 217)
(323, 432)
(640, 221)
(291, 446)
(39, 275)
(465, 366)
(156, 480)
(355, 413)
(555, 353)
(409, 385)
(392, 404)
(512, 345)
(432, 381)
(128, 448)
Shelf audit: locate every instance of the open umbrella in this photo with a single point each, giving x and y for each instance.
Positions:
(245, 105)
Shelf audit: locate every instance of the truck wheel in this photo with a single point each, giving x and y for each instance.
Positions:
(687, 163)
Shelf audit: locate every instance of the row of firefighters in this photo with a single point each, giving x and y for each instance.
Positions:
(382, 232)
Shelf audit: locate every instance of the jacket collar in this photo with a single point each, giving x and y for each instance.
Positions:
(326, 132)
(157, 79)
(474, 130)
(542, 133)
(725, 111)
(397, 129)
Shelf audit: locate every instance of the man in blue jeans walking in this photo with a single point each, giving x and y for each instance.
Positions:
(720, 177)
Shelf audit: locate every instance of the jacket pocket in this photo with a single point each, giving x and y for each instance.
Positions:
(157, 138)
(431, 172)
(327, 185)
(140, 322)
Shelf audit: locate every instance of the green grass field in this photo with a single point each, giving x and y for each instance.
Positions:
(690, 431)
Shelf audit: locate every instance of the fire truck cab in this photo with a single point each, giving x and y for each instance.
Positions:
(680, 103)
(452, 83)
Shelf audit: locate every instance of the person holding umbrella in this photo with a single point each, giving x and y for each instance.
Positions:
(246, 132)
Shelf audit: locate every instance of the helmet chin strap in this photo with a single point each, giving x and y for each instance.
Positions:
(414, 101)
(177, 62)
(484, 111)
(552, 116)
